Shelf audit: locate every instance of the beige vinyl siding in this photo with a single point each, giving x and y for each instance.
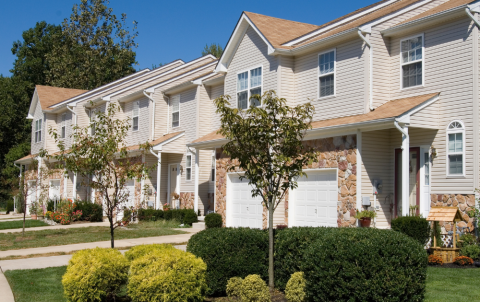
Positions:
(349, 82)
(176, 146)
(38, 114)
(50, 123)
(68, 128)
(279, 214)
(143, 133)
(204, 179)
(70, 185)
(427, 117)
(188, 114)
(204, 110)
(215, 92)
(286, 82)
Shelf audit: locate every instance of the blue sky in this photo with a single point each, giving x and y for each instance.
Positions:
(168, 30)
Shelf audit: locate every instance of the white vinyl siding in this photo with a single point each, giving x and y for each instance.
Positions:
(455, 149)
(249, 83)
(176, 111)
(412, 61)
(326, 73)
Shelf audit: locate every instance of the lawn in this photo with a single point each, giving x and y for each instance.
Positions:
(443, 284)
(18, 224)
(32, 239)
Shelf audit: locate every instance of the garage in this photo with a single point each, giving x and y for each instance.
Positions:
(243, 210)
(315, 199)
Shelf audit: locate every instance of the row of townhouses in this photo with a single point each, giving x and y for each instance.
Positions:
(395, 87)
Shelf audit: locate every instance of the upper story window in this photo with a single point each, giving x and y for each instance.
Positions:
(326, 73)
(176, 111)
(456, 148)
(38, 130)
(412, 61)
(249, 83)
(188, 174)
(63, 129)
(93, 121)
(135, 115)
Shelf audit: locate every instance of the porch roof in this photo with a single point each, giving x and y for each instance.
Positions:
(399, 109)
(159, 141)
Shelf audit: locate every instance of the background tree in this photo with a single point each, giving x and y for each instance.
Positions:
(214, 49)
(267, 144)
(98, 48)
(104, 158)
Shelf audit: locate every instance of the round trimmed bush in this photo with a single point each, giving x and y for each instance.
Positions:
(413, 226)
(167, 275)
(144, 249)
(254, 289)
(471, 251)
(213, 220)
(364, 264)
(230, 252)
(190, 217)
(234, 287)
(95, 275)
(295, 289)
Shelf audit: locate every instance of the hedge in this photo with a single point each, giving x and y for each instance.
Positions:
(213, 220)
(185, 216)
(230, 252)
(413, 226)
(364, 265)
(90, 211)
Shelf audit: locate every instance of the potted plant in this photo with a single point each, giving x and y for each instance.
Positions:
(40, 214)
(33, 207)
(365, 217)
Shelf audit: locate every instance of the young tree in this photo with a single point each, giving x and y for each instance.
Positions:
(266, 142)
(99, 153)
(214, 49)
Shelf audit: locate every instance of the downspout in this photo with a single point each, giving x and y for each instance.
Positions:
(159, 169)
(74, 187)
(153, 114)
(468, 11)
(370, 67)
(168, 111)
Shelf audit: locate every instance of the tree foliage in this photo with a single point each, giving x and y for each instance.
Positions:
(266, 142)
(214, 49)
(98, 48)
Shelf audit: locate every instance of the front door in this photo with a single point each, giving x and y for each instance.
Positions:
(414, 181)
(173, 173)
(54, 191)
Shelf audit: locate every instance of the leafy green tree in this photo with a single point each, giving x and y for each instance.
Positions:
(214, 49)
(98, 48)
(104, 158)
(266, 142)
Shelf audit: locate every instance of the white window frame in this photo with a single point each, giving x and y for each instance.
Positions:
(188, 167)
(63, 127)
(248, 85)
(327, 74)
(412, 62)
(93, 120)
(179, 99)
(38, 130)
(137, 104)
(454, 131)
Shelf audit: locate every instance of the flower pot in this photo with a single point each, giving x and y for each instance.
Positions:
(40, 217)
(365, 222)
(476, 263)
(33, 216)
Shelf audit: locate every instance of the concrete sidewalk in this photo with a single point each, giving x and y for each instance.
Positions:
(174, 239)
(59, 226)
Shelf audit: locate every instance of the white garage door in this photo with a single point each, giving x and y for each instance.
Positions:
(315, 199)
(246, 211)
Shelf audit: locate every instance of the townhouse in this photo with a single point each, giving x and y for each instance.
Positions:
(395, 88)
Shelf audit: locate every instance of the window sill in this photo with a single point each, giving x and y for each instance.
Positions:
(456, 176)
(413, 87)
(326, 97)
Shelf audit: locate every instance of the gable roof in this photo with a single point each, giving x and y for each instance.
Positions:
(438, 9)
(48, 95)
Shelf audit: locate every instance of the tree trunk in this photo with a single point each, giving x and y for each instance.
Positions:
(270, 248)
(24, 213)
(110, 219)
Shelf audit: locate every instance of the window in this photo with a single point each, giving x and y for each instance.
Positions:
(63, 129)
(38, 130)
(188, 175)
(93, 124)
(135, 116)
(249, 83)
(412, 61)
(326, 73)
(176, 111)
(426, 158)
(455, 148)
(213, 168)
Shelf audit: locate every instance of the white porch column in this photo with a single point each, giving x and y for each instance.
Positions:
(142, 183)
(39, 179)
(74, 190)
(405, 171)
(359, 169)
(197, 176)
(65, 186)
(159, 170)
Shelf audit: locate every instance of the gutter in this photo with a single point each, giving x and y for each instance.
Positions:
(153, 114)
(360, 34)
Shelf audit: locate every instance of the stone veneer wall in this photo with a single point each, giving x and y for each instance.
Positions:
(187, 200)
(465, 203)
(334, 152)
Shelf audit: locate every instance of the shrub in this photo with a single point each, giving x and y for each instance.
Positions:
(295, 289)
(360, 264)
(90, 211)
(254, 289)
(150, 214)
(234, 287)
(472, 251)
(168, 275)
(230, 252)
(463, 260)
(435, 260)
(10, 206)
(468, 239)
(416, 227)
(95, 275)
(213, 220)
(167, 215)
(142, 250)
(51, 205)
(190, 217)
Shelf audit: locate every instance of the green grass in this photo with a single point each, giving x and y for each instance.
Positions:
(32, 239)
(18, 224)
(451, 284)
(40, 285)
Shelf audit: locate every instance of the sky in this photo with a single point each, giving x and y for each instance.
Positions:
(168, 30)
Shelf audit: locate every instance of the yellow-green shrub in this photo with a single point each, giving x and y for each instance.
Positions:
(254, 289)
(167, 275)
(234, 287)
(295, 290)
(142, 250)
(94, 275)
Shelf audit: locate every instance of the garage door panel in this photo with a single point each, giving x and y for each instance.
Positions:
(246, 210)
